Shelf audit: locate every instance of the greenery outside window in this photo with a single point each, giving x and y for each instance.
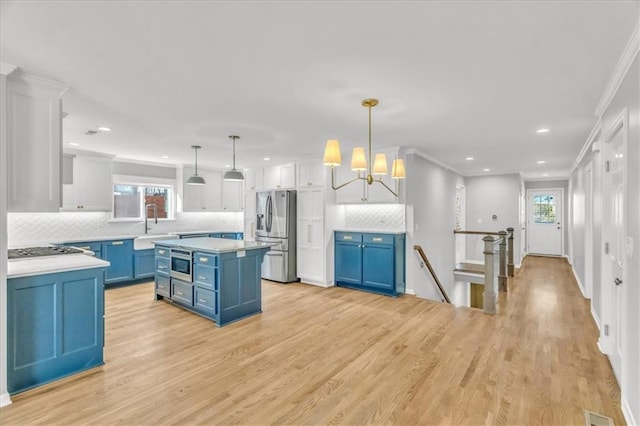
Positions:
(129, 201)
(544, 209)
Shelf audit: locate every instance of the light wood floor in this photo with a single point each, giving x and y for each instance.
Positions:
(337, 356)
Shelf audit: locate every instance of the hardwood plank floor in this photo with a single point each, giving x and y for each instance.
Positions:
(338, 356)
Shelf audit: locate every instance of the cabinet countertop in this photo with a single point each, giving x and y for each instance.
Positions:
(214, 245)
(371, 231)
(17, 268)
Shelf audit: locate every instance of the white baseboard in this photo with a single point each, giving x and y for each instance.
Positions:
(595, 317)
(316, 283)
(410, 291)
(627, 413)
(5, 399)
(580, 286)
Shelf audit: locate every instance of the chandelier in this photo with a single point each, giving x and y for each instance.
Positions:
(333, 158)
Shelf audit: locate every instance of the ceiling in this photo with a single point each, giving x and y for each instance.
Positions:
(454, 79)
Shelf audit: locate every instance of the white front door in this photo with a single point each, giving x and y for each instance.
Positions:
(615, 250)
(544, 231)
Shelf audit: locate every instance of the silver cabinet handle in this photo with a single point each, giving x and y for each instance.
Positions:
(117, 243)
(204, 259)
(179, 293)
(201, 278)
(377, 239)
(162, 267)
(309, 233)
(161, 252)
(202, 300)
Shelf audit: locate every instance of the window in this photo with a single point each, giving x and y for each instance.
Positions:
(129, 201)
(544, 209)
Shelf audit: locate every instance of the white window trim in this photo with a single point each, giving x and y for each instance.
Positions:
(146, 181)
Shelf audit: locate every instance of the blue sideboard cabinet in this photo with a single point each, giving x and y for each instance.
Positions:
(370, 261)
(55, 326)
(119, 253)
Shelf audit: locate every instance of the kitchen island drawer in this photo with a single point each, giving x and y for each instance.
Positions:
(162, 265)
(206, 276)
(206, 300)
(182, 291)
(205, 259)
(163, 252)
(163, 286)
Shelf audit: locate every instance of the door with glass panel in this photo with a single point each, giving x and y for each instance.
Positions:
(544, 230)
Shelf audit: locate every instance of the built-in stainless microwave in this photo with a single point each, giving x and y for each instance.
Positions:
(182, 264)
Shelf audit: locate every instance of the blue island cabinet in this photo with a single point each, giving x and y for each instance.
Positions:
(55, 326)
(226, 286)
(370, 261)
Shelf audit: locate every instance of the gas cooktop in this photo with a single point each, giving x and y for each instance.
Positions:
(40, 251)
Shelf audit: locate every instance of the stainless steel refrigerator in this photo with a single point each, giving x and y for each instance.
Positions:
(276, 223)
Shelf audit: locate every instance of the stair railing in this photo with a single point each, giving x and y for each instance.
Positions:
(496, 269)
(425, 262)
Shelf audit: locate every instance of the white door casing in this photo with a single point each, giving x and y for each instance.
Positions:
(614, 225)
(588, 231)
(544, 221)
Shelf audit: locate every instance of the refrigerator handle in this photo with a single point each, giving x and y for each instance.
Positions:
(269, 213)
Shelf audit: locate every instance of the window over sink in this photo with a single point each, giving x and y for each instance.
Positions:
(129, 201)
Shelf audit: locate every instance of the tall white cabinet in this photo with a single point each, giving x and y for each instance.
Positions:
(34, 143)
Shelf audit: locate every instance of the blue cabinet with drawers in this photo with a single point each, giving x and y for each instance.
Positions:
(55, 326)
(370, 261)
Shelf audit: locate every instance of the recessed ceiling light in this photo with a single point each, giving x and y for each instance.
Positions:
(542, 130)
(540, 161)
(545, 174)
(486, 170)
(164, 156)
(104, 129)
(469, 158)
(267, 159)
(74, 144)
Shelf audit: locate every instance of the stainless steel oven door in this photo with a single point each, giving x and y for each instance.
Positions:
(182, 265)
(275, 266)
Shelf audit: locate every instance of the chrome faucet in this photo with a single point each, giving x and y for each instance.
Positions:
(146, 216)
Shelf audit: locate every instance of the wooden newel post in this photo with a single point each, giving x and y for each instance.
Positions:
(502, 278)
(510, 252)
(489, 297)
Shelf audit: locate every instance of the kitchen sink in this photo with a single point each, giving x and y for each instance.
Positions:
(145, 242)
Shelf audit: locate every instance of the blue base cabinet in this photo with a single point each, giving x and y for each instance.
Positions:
(119, 253)
(371, 262)
(144, 264)
(55, 326)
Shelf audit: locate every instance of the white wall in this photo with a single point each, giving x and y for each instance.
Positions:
(627, 96)
(430, 204)
(489, 195)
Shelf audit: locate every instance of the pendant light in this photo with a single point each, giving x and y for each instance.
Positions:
(233, 174)
(195, 179)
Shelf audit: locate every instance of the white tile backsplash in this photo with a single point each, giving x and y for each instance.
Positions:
(28, 229)
(375, 217)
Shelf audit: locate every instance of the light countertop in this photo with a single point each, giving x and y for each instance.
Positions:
(51, 264)
(371, 231)
(214, 245)
(131, 237)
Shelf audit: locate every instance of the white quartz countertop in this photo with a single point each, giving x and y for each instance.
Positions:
(371, 231)
(213, 245)
(51, 264)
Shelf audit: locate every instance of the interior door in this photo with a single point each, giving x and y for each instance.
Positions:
(544, 233)
(614, 208)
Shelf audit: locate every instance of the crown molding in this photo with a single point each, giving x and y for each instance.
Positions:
(433, 160)
(595, 134)
(6, 69)
(628, 56)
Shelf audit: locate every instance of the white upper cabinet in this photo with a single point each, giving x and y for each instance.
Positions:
(232, 196)
(202, 198)
(89, 184)
(311, 173)
(280, 177)
(34, 143)
(253, 179)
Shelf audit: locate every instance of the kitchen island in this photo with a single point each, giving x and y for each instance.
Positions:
(213, 277)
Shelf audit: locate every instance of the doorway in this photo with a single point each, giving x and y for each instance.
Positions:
(614, 222)
(544, 220)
